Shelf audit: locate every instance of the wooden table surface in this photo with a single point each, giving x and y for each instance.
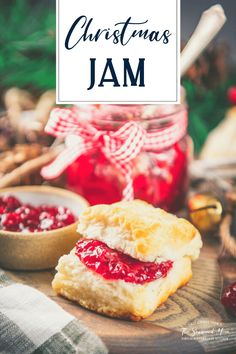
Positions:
(175, 327)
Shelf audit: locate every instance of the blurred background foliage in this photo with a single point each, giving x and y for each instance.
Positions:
(27, 44)
(207, 84)
(27, 60)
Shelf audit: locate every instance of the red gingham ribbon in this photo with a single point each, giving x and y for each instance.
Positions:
(120, 147)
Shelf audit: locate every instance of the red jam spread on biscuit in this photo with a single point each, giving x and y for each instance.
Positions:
(115, 265)
(18, 217)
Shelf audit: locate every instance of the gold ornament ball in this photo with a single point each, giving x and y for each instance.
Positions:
(205, 211)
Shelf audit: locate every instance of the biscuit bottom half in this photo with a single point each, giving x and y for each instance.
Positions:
(117, 298)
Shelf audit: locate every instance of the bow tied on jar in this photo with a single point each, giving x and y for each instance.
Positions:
(136, 148)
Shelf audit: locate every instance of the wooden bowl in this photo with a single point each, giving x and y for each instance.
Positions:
(40, 250)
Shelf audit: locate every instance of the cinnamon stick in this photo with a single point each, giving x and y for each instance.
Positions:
(212, 20)
(29, 167)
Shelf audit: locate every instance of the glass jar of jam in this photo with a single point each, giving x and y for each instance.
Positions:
(159, 171)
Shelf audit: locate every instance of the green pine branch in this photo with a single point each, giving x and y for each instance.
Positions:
(27, 42)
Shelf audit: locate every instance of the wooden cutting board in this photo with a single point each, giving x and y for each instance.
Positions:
(191, 321)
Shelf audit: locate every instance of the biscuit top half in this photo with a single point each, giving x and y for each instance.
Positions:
(138, 229)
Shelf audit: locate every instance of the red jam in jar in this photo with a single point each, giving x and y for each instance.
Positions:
(115, 265)
(19, 217)
(160, 175)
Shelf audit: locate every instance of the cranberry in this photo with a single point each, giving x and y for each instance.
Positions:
(228, 299)
(51, 210)
(64, 215)
(2, 202)
(47, 224)
(15, 216)
(12, 203)
(232, 95)
(11, 221)
(32, 218)
(115, 265)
